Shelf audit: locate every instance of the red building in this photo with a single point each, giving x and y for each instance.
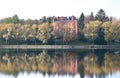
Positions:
(63, 25)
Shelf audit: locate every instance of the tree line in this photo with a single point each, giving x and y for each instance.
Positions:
(90, 28)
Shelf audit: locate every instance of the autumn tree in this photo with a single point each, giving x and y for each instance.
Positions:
(6, 31)
(45, 32)
(66, 33)
(90, 30)
(111, 30)
(24, 32)
(16, 37)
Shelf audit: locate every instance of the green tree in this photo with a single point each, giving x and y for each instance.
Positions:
(101, 16)
(80, 26)
(15, 19)
(100, 40)
(44, 19)
(49, 20)
(7, 20)
(81, 21)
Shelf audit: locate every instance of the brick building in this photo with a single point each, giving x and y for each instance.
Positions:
(62, 25)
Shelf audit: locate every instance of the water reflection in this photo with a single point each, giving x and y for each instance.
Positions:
(60, 65)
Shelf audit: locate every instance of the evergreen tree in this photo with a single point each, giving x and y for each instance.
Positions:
(101, 16)
(80, 26)
(81, 21)
(49, 20)
(100, 40)
(44, 19)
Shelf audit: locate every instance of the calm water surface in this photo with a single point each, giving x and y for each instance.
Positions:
(59, 64)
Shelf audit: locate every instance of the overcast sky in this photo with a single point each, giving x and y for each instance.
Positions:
(35, 9)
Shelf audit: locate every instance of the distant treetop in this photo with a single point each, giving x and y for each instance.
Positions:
(101, 16)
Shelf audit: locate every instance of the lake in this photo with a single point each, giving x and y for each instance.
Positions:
(25, 63)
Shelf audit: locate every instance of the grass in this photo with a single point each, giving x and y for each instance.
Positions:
(78, 43)
(114, 44)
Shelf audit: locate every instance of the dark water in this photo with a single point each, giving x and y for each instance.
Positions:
(59, 64)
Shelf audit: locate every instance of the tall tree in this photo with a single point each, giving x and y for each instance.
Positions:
(90, 30)
(15, 19)
(101, 16)
(100, 40)
(49, 20)
(80, 26)
(81, 21)
(44, 19)
(45, 32)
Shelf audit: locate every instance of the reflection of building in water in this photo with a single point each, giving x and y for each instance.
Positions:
(57, 65)
(73, 65)
(65, 64)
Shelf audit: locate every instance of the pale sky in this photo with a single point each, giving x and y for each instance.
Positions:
(35, 9)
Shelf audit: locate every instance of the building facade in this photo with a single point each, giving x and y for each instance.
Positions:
(67, 28)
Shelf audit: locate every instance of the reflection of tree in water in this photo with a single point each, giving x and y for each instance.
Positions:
(110, 63)
(44, 61)
(81, 70)
(61, 63)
